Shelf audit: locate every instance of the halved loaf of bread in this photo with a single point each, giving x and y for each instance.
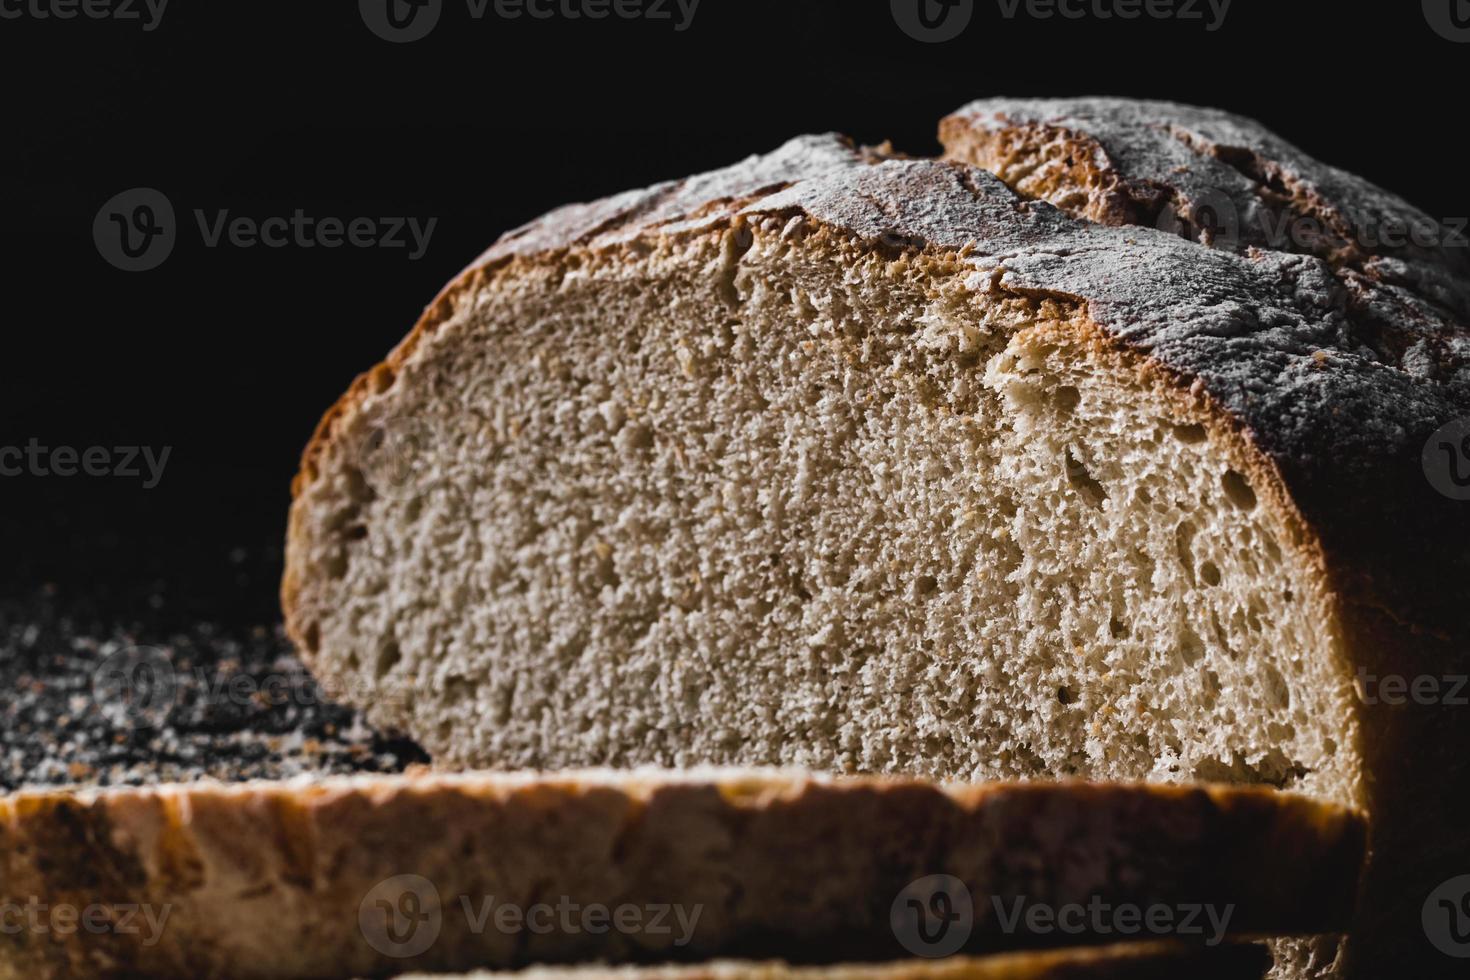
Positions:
(1125, 961)
(872, 464)
(374, 875)
(1351, 436)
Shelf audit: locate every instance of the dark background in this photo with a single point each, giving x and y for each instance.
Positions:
(229, 356)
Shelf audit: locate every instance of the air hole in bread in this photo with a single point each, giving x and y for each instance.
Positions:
(1189, 434)
(1273, 550)
(1191, 647)
(1077, 474)
(1278, 694)
(1238, 489)
(389, 655)
(1210, 686)
(1067, 398)
(1183, 547)
(1274, 768)
(382, 378)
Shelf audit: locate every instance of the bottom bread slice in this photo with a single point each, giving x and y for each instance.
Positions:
(378, 875)
(1125, 961)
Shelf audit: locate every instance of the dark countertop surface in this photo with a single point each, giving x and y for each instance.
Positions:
(106, 687)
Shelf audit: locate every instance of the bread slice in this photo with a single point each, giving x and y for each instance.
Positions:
(876, 465)
(1125, 961)
(373, 875)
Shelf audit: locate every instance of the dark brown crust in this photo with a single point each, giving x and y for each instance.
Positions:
(1125, 961)
(268, 879)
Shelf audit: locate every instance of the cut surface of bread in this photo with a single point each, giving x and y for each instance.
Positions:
(377, 875)
(772, 490)
(876, 465)
(1140, 961)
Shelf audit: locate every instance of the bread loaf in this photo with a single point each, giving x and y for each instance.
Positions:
(1142, 961)
(877, 464)
(375, 875)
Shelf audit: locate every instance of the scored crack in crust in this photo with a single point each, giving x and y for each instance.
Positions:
(283, 879)
(1313, 380)
(1211, 176)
